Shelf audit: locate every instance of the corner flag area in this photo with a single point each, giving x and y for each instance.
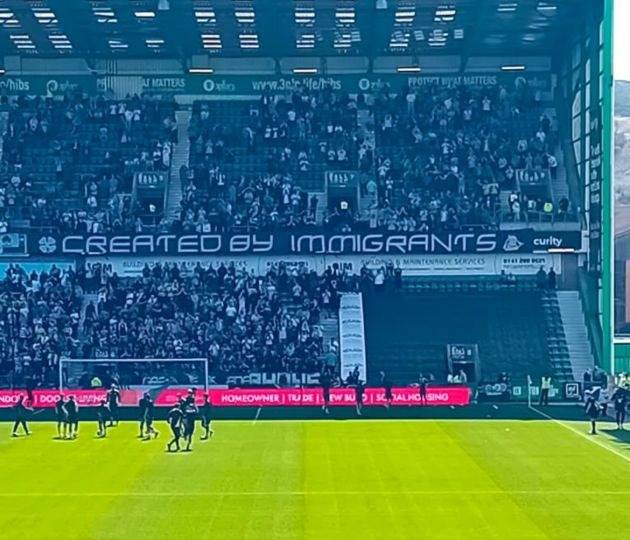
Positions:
(439, 479)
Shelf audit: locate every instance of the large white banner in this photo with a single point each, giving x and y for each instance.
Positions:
(351, 335)
(411, 265)
(457, 265)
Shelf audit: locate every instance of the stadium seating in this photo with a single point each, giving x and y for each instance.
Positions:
(69, 164)
(407, 331)
(429, 158)
(445, 158)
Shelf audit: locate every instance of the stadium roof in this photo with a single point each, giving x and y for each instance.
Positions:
(277, 28)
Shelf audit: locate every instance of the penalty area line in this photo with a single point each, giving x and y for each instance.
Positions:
(590, 438)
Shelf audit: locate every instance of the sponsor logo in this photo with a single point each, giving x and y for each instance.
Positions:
(220, 87)
(512, 243)
(101, 84)
(253, 397)
(47, 398)
(14, 84)
(13, 244)
(452, 81)
(461, 352)
(572, 390)
(340, 179)
(53, 86)
(164, 83)
(309, 397)
(495, 389)
(47, 244)
(284, 84)
(150, 179)
(548, 241)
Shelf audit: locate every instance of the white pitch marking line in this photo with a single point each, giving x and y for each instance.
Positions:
(257, 415)
(590, 438)
(314, 493)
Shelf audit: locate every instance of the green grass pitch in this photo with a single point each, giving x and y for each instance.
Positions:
(320, 480)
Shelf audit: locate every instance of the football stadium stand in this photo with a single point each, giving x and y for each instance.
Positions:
(424, 160)
(221, 215)
(311, 269)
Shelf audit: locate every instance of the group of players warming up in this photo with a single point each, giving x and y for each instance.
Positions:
(594, 408)
(359, 391)
(181, 418)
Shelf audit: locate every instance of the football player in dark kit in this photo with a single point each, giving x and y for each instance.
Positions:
(175, 417)
(422, 387)
(620, 401)
(324, 380)
(592, 409)
(148, 406)
(113, 399)
(387, 386)
(190, 396)
(142, 405)
(62, 417)
(359, 390)
(190, 416)
(205, 413)
(102, 415)
(21, 410)
(72, 418)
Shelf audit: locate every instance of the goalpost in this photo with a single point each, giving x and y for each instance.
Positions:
(66, 362)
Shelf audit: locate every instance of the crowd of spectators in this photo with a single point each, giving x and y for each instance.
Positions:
(241, 321)
(70, 163)
(212, 203)
(39, 322)
(431, 158)
(238, 319)
(445, 154)
(289, 134)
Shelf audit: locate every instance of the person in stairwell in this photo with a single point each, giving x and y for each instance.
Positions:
(545, 385)
(552, 163)
(541, 277)
(551, 279)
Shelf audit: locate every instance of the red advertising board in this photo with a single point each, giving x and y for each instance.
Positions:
(256, 397)
(43, 399)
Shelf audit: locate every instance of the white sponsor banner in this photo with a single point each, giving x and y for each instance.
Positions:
(457, 265)
(351, 335)
(411, 265)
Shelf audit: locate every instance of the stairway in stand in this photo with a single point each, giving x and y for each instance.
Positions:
(180, 156)
(330, 327)
(578, 343)
(365, 121)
